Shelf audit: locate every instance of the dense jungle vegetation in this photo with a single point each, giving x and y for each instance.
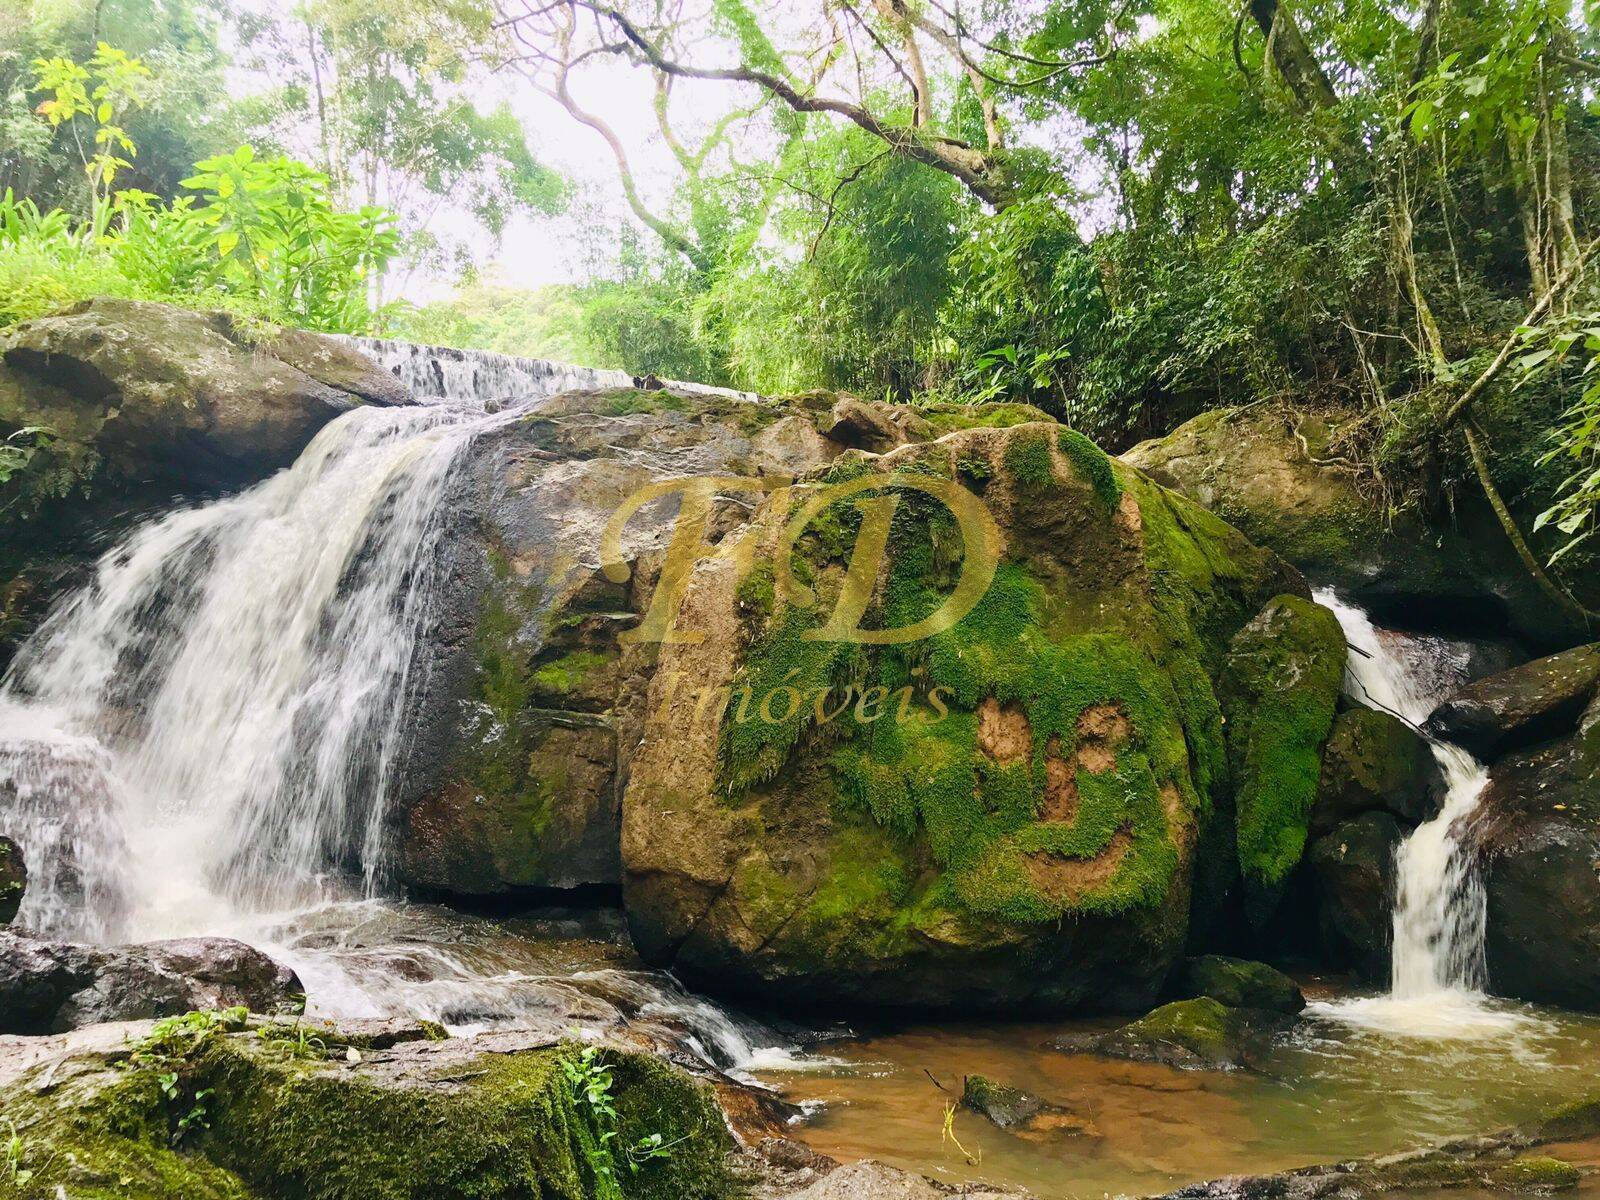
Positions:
(1124, 212)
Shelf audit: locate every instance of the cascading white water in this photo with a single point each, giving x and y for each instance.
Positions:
(200, 741)
(238, 665)
(1438, 961)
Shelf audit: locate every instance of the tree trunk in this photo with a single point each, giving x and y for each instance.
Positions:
(1292, 55)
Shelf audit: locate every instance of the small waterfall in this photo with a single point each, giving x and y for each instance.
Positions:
(495, 379)
(1438, 974)
(213, 721)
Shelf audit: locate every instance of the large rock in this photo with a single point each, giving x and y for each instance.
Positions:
(48, 986)
(1375, 762)
(1280, 476)
(1279, 689)
(1538, 830)
(1521, 707)
(1352, 870)
(1001, 816)
(144, 402)
(13, 880)
(191, 399)
(1198, 1034)
(533, 701)
(203, 1112)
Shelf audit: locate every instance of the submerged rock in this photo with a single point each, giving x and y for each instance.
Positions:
(1199, 1034)
(50, 987)
(13, 879)
(1003, 815)
(1375, 762)
(1239, 983)
(1521, 707)
(1017, 1111)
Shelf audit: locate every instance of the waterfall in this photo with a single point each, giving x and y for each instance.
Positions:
(213, 720)
(1438, 974)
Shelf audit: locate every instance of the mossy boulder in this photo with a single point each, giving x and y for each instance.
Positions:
(1279, 691)
(13, 880)
(1375, 762)
(283, 1117)
(1198, 1034)
(1003, 814)
(1239, 983)
(1282, 476)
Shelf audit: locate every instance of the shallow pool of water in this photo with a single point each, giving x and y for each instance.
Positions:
(1349, 1081)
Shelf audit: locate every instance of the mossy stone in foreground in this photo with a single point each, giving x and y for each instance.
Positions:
(499, 1126)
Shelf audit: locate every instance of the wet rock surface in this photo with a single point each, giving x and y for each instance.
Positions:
(1238, 983)
(1353, 871)
(49, 986)
(1538, 830)
(1375, 762)
(13, 879)
(1522, 707)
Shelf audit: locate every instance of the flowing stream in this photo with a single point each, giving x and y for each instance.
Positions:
(201, 740)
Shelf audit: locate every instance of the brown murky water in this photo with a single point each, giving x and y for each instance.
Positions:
(1331, 1089)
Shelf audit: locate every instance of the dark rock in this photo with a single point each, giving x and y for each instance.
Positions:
(1375, 762)
(1538, 830)
(1521, 707)
(1200, 1034)
(48, 986)
(1353, 876)
(1005, 1106)
(1239, 983)
(13, 880)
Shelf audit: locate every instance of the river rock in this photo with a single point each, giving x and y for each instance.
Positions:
(1352, 871)
(13, 880)
(1239, 983)
(1375, 762)
(1199, 1034)
(49, 986)
(1032, 847)
(1279, 690)
(1017, 1111)
(1538, 830)
(1521, 707)
(190, 398)
(1280, 476)
(533, 698)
